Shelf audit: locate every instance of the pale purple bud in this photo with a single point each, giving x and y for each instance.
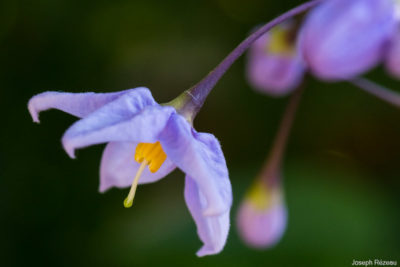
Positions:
(342, 39)
(274, 65)
(262, 216)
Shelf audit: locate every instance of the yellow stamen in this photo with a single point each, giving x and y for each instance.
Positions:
(153, 154)
(139, 153)
(147, 154)
(280, 42)
(129, 199)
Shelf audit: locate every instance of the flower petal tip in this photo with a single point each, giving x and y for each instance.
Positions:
(68, 146)
(71, 154)
(35, 118)
(69, 149)
(205, 251)
(103, 188)
(33, 112)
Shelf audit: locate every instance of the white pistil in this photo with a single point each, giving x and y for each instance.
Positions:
(129, 199)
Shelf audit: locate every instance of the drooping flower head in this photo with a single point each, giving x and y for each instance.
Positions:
(262, 216)
(274, 65)
(342, 39)
(146, 141)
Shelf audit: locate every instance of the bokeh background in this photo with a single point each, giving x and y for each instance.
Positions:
(341, 170)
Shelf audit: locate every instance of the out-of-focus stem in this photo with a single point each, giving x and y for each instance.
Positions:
(271, 171)
(377, 90)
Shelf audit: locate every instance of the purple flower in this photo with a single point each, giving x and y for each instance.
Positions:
(392, 61)
(342, 39)
(140, 132)
(274, 65)
(262, 216)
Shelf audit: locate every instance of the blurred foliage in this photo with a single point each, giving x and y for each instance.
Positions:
(341, 171)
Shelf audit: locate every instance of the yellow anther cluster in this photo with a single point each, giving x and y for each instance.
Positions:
(262, 197)
(259, 196)
(152, 154)
(280, 43)
(146, 154)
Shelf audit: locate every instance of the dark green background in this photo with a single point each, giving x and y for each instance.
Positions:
(341, 170)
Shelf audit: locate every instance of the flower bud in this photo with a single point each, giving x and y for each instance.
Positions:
(342, 39)
(262, 216)
(274, 65)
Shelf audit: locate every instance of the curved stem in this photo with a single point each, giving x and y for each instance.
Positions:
(270, 172)
(377, 90)
(200, 91)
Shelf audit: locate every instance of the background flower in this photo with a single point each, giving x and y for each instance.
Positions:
(274, 65)
(342, 39)
(262, 216)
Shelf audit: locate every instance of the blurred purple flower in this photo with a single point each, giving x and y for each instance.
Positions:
(128, 118)
(262, 216)
(342, 39)
(274, 65)
(393, 55)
